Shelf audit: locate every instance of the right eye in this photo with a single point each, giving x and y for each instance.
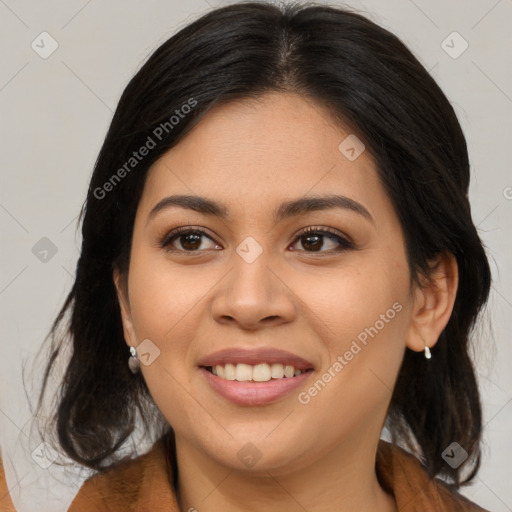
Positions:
(190, 240)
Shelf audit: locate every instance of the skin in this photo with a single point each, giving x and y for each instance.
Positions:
(308, 299)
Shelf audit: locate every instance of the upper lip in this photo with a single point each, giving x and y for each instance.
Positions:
(255, 356)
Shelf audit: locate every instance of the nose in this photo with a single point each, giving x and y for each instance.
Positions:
(253, 296)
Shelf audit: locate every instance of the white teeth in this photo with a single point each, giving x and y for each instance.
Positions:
(289, 371)
(277, 371)
(243, 372)
(220, 371)
(262, 372)
(229, 371)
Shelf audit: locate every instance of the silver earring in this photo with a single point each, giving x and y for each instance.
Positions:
(133, 361)
(428, 355)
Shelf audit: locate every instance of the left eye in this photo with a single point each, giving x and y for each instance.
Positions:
(314, 239)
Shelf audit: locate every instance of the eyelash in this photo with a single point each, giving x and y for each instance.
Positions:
(345, 243)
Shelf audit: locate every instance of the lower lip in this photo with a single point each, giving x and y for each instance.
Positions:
(254, 393)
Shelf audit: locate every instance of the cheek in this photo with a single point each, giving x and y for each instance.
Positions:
(363, 315)
(165, 303)
(163, 296)
(361, 293)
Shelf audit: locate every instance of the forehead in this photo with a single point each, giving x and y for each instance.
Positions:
(260, 151)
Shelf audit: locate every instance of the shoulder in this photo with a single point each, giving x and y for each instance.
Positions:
(128, 485)
(6, 504)
(402, 474)
(114, 489)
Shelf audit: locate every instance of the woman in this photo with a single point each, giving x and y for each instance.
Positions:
(278, 237)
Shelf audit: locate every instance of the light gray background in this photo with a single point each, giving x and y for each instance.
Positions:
(55, 113)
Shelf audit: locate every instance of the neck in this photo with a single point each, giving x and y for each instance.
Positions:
(344, 479)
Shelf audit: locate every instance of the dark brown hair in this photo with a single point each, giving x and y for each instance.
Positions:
(371, 82)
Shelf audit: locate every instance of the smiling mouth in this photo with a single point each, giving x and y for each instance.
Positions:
(263, 372)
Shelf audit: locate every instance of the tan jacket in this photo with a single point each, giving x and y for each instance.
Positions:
(144, 484)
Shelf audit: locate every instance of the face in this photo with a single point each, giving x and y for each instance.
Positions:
(264, 280)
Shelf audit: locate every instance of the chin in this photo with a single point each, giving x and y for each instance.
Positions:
(257, 452)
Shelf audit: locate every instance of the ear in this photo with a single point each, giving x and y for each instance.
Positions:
(433, 303)
(121, 285)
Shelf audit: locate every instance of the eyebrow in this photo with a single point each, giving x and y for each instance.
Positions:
(283, 211)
